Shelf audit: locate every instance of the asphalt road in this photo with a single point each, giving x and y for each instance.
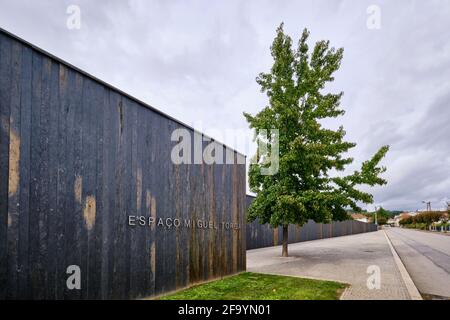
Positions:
(426, 256)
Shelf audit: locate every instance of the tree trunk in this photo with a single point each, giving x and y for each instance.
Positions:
(285, 240)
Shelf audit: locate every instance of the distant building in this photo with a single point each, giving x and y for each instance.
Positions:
(359, 217)
(402, 216)
(392, 222)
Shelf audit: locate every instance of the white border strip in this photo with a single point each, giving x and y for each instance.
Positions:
(410, 286)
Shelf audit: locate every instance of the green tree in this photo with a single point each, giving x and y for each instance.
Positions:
(428, 217)
(382, 216)
(406, 221)
(303, 187)
(381, 220)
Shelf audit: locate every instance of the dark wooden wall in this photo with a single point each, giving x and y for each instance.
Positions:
(263, 235)
(77, 157)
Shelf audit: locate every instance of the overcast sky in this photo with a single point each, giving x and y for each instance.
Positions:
(197, 61)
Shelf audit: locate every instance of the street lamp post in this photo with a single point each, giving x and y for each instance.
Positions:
(376, 221)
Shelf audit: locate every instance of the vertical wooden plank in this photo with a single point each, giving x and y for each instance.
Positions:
(186, 198)
(89, 192)
(128, 194)
(243, 183)
(241, 216)
(145, 156)
(24, 168)
(54, 218)
(214, 184)
(200, 189)
(88, 200)
(167, 202)
(150, 201)
(193, 237)
(213, 243)
(14, 173)
(238, 215)
(163, 257)
(114, 175)
(153, 204)
(107, 195)
(234, 212)
(34, 175)
(228, 216)
(141, 187)
(156, 248)
(71, 90)
(177, 198)
(225, 213)
(96, 230)
(142, 256)
(140, 243)
(74, 224)
(134, 279)
(5, 99)
(218, 235)
(62, 193)
(186, 215)
(43, 181)
(118, 286)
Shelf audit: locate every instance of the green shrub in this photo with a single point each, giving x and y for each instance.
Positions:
(420, 226)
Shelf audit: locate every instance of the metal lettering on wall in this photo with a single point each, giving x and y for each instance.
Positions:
(170, 223)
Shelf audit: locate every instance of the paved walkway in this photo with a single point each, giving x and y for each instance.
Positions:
(426, 256)
(344, 259)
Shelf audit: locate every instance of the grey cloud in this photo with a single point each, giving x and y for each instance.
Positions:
(197, 61)
(432, 132)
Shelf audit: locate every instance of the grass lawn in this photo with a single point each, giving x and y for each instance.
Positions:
(257, 286)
